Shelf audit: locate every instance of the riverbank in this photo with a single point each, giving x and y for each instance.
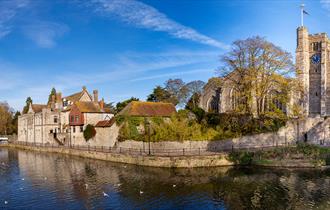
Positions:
(220, 159)
(301, 156)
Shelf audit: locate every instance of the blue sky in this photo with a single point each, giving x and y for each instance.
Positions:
(125, 48)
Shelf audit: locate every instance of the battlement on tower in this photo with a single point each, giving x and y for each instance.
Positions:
(313, 70)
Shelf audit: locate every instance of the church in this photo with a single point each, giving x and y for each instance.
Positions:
(313, 75)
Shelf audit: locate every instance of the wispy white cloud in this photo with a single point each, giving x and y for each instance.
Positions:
(129, 67)
(44, 33)
(167, 75)
(325, 4)
(144, 16)
(8, 10)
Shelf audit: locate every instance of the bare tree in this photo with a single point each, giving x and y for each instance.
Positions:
(255, 67)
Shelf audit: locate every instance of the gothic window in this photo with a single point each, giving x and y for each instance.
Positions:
(234, 99)
(214, 103)
(273, 102)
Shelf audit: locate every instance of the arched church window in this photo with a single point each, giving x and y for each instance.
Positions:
(234, 98)
(214, 103)
(272, 101)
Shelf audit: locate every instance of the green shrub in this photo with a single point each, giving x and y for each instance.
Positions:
(241, 157)
(89, 132)
(210, 126)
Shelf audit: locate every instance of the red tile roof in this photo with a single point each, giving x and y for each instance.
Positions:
(38, 107)
(148, 109)
(88, 107)
(105, 123)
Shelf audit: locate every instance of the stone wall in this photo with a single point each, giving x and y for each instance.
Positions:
(166, 162)
(294, 131)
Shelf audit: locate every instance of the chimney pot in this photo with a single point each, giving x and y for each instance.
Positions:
(96, 96)
(102, 103)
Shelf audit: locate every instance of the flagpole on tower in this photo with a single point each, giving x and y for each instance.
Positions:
(302, 14)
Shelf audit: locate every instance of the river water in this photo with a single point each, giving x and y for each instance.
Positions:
(30, 180)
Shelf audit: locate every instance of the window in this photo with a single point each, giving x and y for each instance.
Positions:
(316, 46)
(316, 94)
(74, 129)
(77, 118)
(71, 118)
(81, 129)
(55, 119)
(51, 131)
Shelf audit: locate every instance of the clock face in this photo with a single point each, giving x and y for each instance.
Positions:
(316, 58)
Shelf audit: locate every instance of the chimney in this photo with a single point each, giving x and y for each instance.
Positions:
(59, 97)
(96, 96)
(102, 103)
(52, 103)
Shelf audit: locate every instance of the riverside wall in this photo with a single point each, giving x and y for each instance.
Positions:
(152, 161)
(294, 131)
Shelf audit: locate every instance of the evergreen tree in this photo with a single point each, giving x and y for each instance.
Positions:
(27, 104)
(159, 94)
(52, 93)
(121, 105)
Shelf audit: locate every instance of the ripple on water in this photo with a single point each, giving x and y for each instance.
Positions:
(49, 181)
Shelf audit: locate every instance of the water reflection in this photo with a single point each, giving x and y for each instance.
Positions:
(32, 180)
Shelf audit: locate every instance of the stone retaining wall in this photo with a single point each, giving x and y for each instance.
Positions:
(291, 133)
(153, 161)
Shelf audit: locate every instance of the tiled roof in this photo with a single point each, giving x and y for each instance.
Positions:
(88, 107)
(76, 96)
(105, 123)
(38, 107)
(148, 109)
(107, 110)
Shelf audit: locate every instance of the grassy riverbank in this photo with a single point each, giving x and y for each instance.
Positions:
(303, 155)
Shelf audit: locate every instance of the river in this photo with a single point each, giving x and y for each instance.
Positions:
(31, 180)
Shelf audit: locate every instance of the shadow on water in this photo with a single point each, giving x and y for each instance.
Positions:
(31, 180)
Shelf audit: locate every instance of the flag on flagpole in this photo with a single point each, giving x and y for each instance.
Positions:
(305, 12)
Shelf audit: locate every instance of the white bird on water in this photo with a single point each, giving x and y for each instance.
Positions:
(105, 195)
(174, 185)
(141, 192)
(23, 179)
(6, 202)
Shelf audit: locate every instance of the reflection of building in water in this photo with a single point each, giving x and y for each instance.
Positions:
(3, 154)
(58, 174)
(233, 188)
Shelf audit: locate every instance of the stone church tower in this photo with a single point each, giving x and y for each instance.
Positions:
(313, 71)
